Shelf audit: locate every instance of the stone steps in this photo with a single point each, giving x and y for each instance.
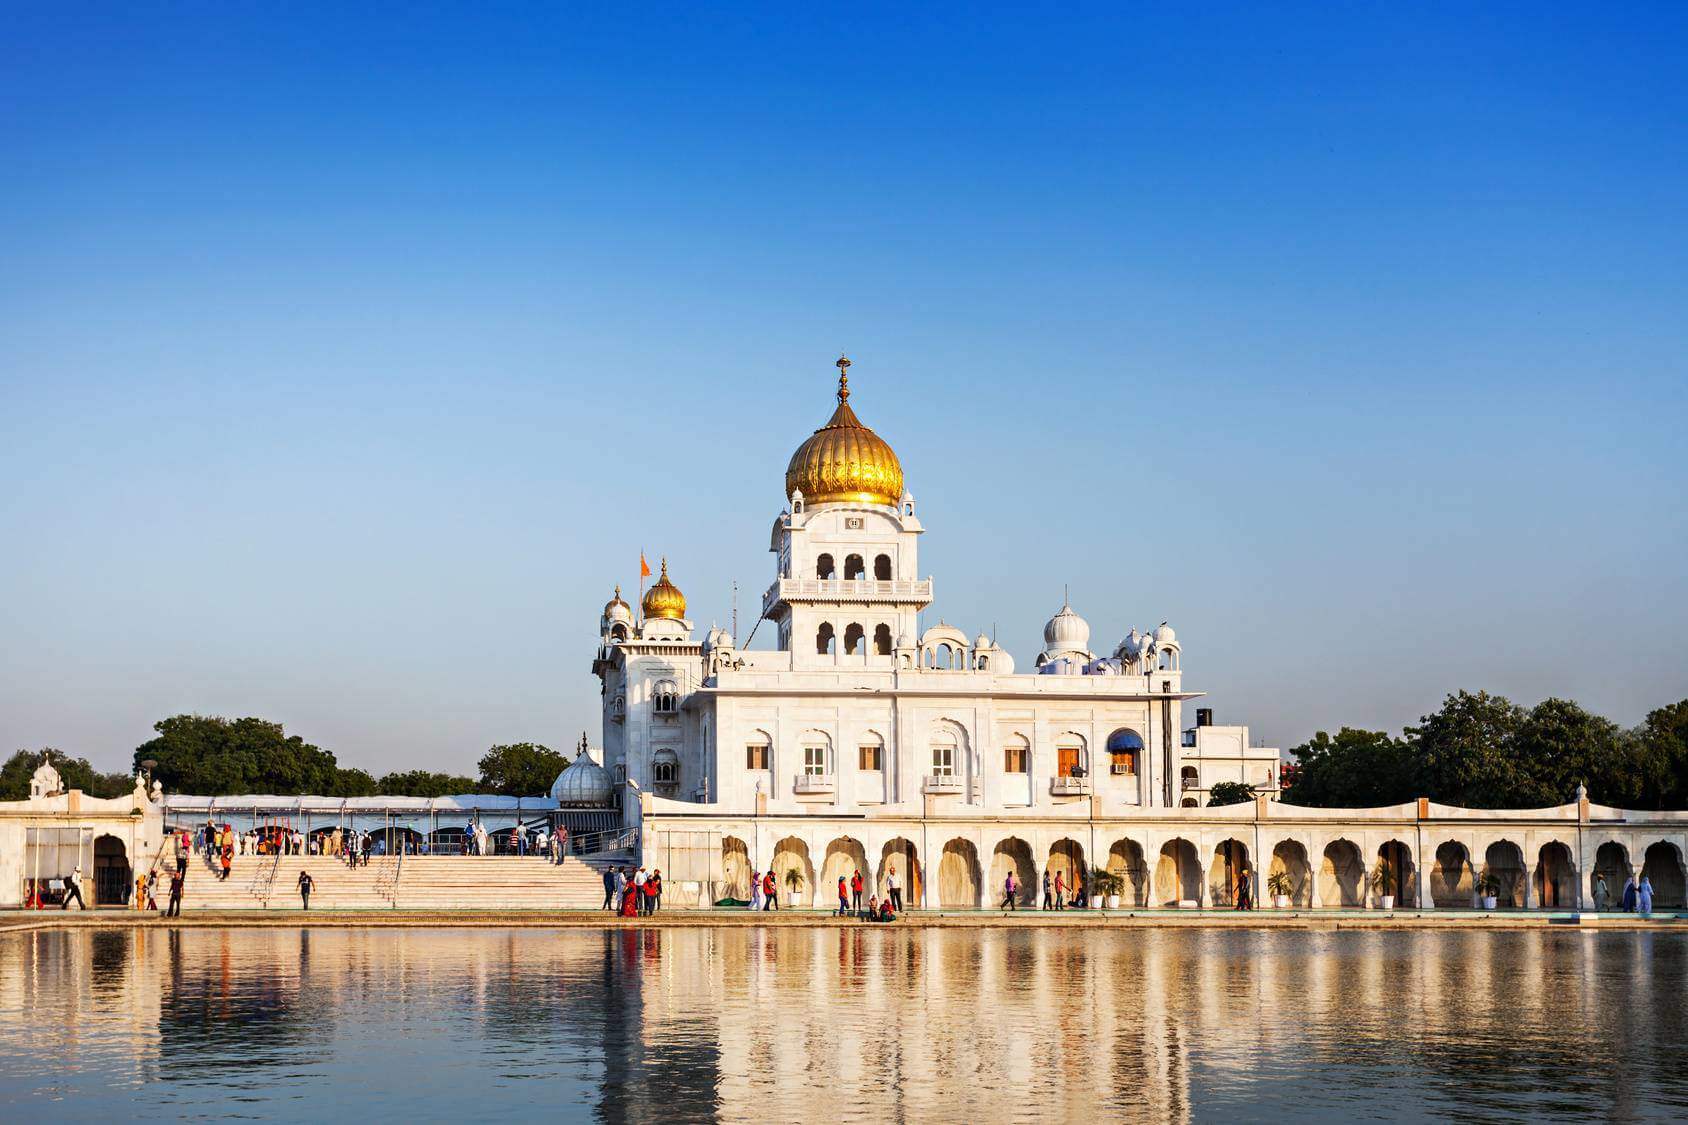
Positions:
(423, 883)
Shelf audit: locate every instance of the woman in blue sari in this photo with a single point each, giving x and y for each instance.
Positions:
(1629, 895)
(1644, 896)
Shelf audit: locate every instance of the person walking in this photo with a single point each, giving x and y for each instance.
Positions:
(152, 889)
(1060, 890)
(1245, 893)
(228, 860)
(1643, 895)
(894, 890)
(651, 888)
(755, 890)
(306, 885)
(1602, 893)
(622, 877)
(770, 892)
(609, 887)
(843, 899)
(562, 839)
(856, 892)
(182, 850)
(1629, 895)
(639, 886)
(177, 879)
(1010, 892)
(73, 890)
(1048, 891)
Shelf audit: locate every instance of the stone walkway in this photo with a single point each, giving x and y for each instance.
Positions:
(22, 920)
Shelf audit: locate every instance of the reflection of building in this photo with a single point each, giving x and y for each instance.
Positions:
(46, 837)
(863, 742)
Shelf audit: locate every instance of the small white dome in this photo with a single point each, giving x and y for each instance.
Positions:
(983, 643)
(904, 641)
(717, 638)
(1165, 636)
(582, 782)
(1066, 632)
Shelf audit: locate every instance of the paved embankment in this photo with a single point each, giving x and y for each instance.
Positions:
(17, 920)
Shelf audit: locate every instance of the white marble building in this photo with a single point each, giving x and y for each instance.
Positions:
(861, 741)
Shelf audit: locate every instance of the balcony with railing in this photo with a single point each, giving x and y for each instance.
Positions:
(1069, 786)
(944, 783)
(865, 590)
(815, 785)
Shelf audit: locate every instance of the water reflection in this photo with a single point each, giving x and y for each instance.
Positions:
(866, 1024)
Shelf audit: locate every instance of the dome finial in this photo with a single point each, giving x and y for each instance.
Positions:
(843, 366)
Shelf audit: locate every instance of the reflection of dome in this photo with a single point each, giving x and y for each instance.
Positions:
(1066, 632)
(844, 461)
(617, 611)
(664, 599)
(583, 782)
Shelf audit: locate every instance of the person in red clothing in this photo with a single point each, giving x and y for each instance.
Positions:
(770, 892)
(650, 893)
(856, 892)
(1060, 890)
(630, 900)
(843, 898)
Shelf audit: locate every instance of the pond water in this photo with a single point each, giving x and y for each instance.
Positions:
(858, 1024)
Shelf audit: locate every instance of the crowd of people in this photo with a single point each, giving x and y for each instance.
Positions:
(633, 894)
(1637, 895)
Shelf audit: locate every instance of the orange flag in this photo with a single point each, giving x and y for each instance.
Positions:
(644, 567)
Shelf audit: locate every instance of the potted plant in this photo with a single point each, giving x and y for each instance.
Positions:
(794, 884)
(1383, 882)
(1488, 890)
(1280, 887)
(1108, 888)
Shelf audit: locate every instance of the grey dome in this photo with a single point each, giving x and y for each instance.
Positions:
(582, 782)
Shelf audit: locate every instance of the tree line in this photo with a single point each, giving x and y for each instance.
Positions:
(210, 756)
(1484, 751)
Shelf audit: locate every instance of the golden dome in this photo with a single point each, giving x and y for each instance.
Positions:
(664, 599)
(844, 461)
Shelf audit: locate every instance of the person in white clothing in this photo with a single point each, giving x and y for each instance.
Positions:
(755, 890)
(894, 891)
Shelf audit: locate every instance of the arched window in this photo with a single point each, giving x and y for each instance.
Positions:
(618, 632)
(817, 754)
(1069, 756)
(943, 753)
(823, 567)
(853, 567)
(1016, 754)
(758, 752)
(882, 568)
(882, 640)
(823, 639)
(943, 656)
(870, 752)
(853, 637)
(1125, 750)
(667, 697)
(1188, 777)
(665, 768)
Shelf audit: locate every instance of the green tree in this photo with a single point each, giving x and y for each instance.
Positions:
(1658, 753)
(1467, 752)
(211, 757)
(1230, 793)
(75, 773)
(1354, 769)
(424, 783)
(521, 769)
(1558, 746)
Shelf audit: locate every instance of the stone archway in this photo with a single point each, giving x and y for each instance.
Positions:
(1661, 865)
(1013, 854)
(1342, 875)
(113, 879)
(1066, 859)
(1503, 864)
(1289, 859)
(1178, 874)
(958, 876)
(1229, 868)
(735, 869)
(1451, 878)
(1125, 862)
(1556, 878)
(1395, 873)
(794, 873)
(900, 855)
(844, 858)
(1611, 865)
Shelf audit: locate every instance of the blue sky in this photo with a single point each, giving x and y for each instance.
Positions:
(348, 360)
